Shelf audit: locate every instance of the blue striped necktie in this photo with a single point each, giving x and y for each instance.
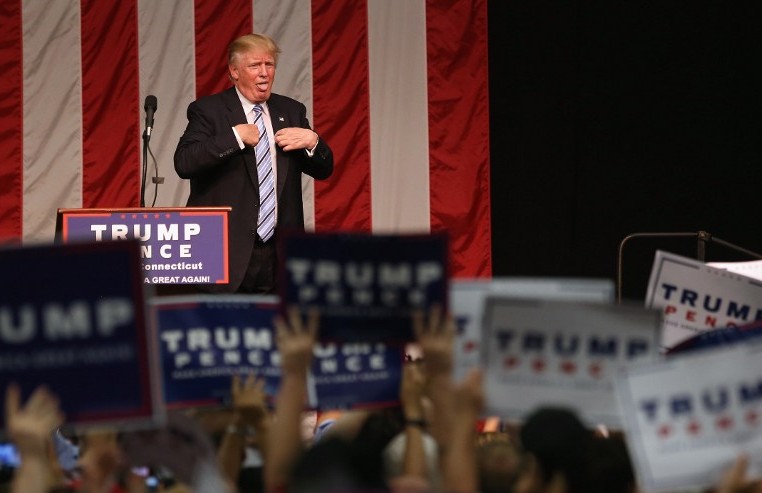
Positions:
(266, 219)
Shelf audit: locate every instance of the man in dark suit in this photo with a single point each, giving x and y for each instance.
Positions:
(246, 142)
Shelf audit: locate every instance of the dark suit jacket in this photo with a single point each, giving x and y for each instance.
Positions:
(221, 174)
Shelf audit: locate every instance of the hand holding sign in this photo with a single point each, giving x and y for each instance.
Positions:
(734, 480)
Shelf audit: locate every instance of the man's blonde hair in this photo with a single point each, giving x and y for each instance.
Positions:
(250, 42)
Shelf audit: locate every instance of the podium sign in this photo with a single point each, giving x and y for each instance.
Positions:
(177, 245)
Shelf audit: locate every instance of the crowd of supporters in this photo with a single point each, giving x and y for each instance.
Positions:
(436, 440)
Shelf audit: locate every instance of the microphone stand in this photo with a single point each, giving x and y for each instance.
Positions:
(702, 238)
(146, 138)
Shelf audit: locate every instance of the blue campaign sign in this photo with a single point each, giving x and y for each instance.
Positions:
(205, 340)
(72, 317)
(365, 286)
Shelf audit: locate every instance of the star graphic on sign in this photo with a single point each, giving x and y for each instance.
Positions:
(724, 423)
(752, 417)
(595, 369)
(538, 365)
(511, 362)
(694, 427)
(568, 367)
(664, 431)
(469, 346)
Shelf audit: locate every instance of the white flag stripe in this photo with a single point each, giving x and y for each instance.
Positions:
(52, 166)
(168, 71)
(398, 115)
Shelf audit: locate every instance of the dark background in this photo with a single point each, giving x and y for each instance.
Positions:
(615, 117)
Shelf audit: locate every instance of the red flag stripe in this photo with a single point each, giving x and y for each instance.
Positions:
(341, 105)
(218, 22)
(11, 121)
(459, 131)
(110, 119)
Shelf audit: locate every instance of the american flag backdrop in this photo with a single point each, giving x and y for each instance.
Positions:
(398, 88)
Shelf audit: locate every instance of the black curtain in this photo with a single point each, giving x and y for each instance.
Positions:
(615, 117)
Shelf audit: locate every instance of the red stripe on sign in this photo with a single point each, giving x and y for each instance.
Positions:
(110, 104)
(459, 131)
(11, 120)
(218, 22)
(341, 107)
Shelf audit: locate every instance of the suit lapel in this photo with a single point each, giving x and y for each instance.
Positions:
(278, 118)
(235, 117)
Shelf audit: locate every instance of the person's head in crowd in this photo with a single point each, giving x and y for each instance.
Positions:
(394, 458)
(338, 465)
(498, 459)
(610, 467)
(555, 445)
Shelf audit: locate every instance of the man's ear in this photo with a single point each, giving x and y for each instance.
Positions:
(232, 73)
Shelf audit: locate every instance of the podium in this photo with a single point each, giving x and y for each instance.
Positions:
(178, 245)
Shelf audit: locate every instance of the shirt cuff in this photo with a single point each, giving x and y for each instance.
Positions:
(238, 138)
(311, 152)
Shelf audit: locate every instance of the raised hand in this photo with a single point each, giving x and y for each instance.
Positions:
(249, 398)
(295, 339)
(435, 334)
(30, 426)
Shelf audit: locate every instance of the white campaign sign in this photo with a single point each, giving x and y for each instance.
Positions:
(539, 353)
(688, 418)
(467, 306)
(695, 297)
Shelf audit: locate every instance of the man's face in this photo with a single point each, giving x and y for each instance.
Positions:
(253, 73)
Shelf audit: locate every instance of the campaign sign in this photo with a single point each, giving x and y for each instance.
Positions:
(467, 306)
(716, 338)
(540, 352)
(177, 245)
(365, 286)
(695, 297)
(72, 318)
(205, 340)
(752, 268)
(689, 417)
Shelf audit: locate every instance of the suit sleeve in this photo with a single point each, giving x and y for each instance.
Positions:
(207, 142)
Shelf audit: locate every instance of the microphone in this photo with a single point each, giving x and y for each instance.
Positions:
(150, 107)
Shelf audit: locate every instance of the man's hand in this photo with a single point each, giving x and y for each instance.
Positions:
(293, 138)
(30, 426)
(249, 399)
(249, 133)
(295, 340)
(435, 335)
